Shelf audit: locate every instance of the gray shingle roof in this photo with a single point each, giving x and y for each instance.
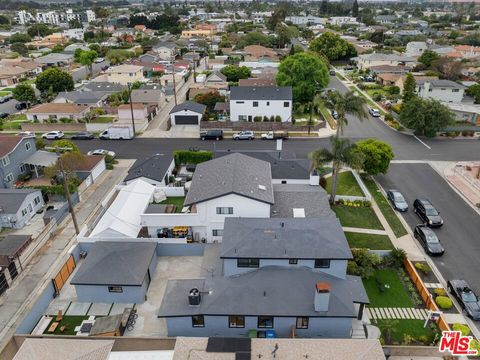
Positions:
(189, 105)
(233, 174)
(10, 244)
(12, 199)
(153, 168)
(261, 93)
(115, 263)
(386, 57)
(104, 86)
(146, 95)
(271, 290)
(313, 199)
(284, 238)
(82, 97)
(441, 84)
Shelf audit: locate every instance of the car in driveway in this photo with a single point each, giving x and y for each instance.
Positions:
(427, 212)
(211, 135)
(465, 296)
(83, 135)
(429, 240)
(374, 112)
(397, 200)
(102, 152)
(21, 105)
(53, 135)
(244, 135)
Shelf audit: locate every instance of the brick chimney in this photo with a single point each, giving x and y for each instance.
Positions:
(322, 296)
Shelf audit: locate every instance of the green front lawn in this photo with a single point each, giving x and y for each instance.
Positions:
(358, 217)
(4, 93)
(387, 211)
(347, 185)
(14, 122)
(395, 295)
(177, 201)
(103, 119)
(413, 328)
(369, 241)
(70, 322)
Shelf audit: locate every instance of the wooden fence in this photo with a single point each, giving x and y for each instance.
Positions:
(425, 294)
(62, 276)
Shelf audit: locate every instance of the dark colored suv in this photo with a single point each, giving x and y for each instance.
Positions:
(425, 211)
(212, 135)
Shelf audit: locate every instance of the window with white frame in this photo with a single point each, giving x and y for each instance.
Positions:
(115, 289)
(217, 232)
(28, 146)
(5, 160)
(36, 201)
(9, 177)
(224, 210)
(23, 168)
(24, 212)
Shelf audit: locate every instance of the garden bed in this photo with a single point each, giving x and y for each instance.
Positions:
(369, 241)
(407, 332)
(358, 217)
(387, 211)
(347, 185)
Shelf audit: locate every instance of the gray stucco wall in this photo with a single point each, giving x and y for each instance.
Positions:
(337, 267)
(180, 249)
(99, 293)
(16, 159)
(218, 326)
(22, 219)
(37, 310)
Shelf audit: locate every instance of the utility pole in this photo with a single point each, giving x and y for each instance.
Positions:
(131, 106)
(194, 66)
(174, 83)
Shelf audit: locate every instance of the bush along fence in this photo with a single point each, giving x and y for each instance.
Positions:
(258, 126)
(425, 294)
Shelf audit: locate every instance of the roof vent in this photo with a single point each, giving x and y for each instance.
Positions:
(194, 297)
(262, 187)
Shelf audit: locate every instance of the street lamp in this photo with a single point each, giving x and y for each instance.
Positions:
(131, 105)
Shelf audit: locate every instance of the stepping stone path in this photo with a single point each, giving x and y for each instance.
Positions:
(396, 313)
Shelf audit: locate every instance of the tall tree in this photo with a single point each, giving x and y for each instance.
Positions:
(448, 69)
(19, 48)
(355, 8)
(342, 153)
(235, 73)
(474, 91)
(428, 57)
(426, 117)
(24, 92)
(333, 47)
(377, 156)
(87, 58)
(348, 103)
(409, 88)
(54, 80)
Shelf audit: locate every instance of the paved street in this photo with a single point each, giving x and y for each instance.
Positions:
(8, 107)
(459, 235)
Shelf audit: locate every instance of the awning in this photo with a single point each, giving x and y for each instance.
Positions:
(42, 158)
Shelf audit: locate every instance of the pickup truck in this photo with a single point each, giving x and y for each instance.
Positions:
(272, 135)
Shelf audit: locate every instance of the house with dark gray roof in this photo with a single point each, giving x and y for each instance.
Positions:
(18, 206)
(441, 90)
(104, 87)
(79, 97)
(187, 113)
(155, 170)
(116, 272)
(248, 103)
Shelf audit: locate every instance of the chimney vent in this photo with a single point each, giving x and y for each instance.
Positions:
(194, 297)
(322, 296)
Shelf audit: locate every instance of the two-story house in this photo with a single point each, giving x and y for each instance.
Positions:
(18, 206)
(125, 74)
(230, 186)
(248, 103)
(14, 150)
(281, 277)
(441, 90)
(166, 51)
(366, 61)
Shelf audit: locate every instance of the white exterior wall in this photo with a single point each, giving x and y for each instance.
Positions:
(187, 113)
(74, 34)
(273, 108)
(98, 169)
(164, 53)
(337, 268)
(291, 181)
(126, 114)
(28, 205)
(43, 117)
(446, 94)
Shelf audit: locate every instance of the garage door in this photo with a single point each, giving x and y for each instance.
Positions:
(186, 120)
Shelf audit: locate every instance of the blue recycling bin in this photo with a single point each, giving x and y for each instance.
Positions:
(270, 334)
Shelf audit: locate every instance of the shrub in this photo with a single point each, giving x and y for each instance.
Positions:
(191, 157)
(272, 118)
(444, 302)
(395, 258)
(464, 329)
(257, 119)
(278, 118)
(377, 97)
(265, 119)
(423, 339)
(352, 268)
(389, 117)
(424, 268)
(39, 143)
(468, 133)
(366, 262)
(397, 108)
(440, 292)
(408, 339)
(475, 345)
(453, 133)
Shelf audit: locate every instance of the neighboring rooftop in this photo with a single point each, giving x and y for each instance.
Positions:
(232, 174)
(90, 162)
(12, 199)
(189, 105)
(261, 93)
(147, 95)
(122, 263)
(106, 87)
(441, 84)
(57, 108)
(273, 290)
(8, 143)
(121, 69)
(82, 97)
(284, 238)
(154, 168)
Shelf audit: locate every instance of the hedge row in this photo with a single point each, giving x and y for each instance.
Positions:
(191, 157)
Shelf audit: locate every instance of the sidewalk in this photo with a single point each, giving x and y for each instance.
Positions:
(461, 183)
(17, 301)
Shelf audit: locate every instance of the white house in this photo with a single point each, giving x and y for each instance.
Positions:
(18, 206)
(57, 111)
(248, 102)
(76, 34)
(165, 50)
(234, 185)
(187, 113)
(441, 90)
(366, 61)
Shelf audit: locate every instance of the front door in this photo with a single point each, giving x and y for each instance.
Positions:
(250, 118)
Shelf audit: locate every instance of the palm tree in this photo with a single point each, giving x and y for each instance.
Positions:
(343, 104)
(342, 153)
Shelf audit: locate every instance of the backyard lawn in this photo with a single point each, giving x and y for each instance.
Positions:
(347, 185)
(359, 217)
(412, 328)
(70, 322)
(394, 295)
(385, 208)
(177, 201)
(369, 241)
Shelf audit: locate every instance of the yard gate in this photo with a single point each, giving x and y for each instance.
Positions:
(63, 274)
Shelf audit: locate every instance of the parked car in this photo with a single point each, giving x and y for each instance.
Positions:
(332, 73)
(425, 211)
(398, 201)
(244, 135)
(53, 135)
(212, 135)
(274, 135)
(335, 114)
(466, 297)
(26, 133)
(99, 60)
(101, 152)
(83, 135)
(374, 112)
(21, 105)
(3, 115)
(429, 240)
